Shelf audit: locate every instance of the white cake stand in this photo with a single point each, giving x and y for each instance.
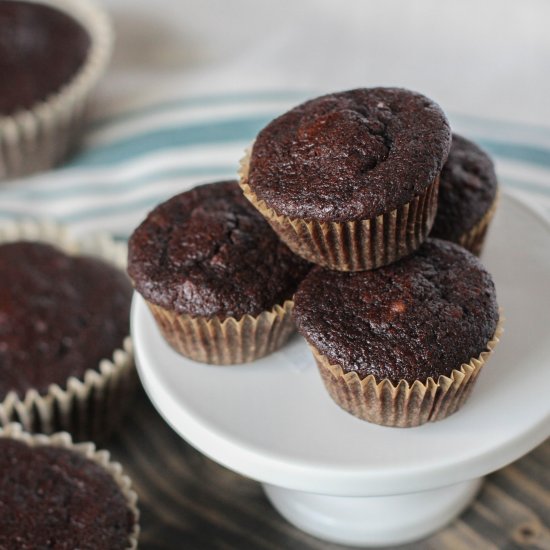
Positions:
(343, 479)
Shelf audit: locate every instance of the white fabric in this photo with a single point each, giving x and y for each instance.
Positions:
(488, 57)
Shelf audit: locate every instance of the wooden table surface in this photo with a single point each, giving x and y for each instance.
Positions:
(189, 502)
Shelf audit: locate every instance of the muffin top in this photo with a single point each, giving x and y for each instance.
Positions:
(52, 497)
(467, 189)
(208, 252)
(418, 318)
(59, 315)
(350, 155)
(41, 49)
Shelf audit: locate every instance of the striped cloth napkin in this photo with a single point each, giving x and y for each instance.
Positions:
(136, 158)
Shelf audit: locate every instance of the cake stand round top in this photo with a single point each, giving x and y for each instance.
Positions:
(273, 421)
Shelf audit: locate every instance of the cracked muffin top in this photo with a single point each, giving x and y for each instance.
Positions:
(208, 252)
(467, 190)
(350, 155)
(420, 317)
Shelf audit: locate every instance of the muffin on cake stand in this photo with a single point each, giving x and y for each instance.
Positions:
(343, 479)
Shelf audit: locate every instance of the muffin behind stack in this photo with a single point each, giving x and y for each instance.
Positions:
(468, 196)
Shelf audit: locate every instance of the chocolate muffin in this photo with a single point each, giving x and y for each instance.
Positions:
(216, 277)
(55, 495)
(349, 180)
(467, 196)
(31, 36)
(403, 344)
(65, 356)
(59, 315)
(54, 53)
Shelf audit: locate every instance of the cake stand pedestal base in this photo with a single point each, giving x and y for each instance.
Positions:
(373, 521)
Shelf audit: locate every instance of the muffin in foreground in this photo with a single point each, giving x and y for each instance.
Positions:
(54, 53)
(215, 276)
(55, 494)
(65, 355)
(349, 180)
(468, 195)
(401, 345)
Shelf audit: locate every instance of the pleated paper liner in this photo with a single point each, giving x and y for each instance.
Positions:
(91, 407)
(356, 245)
(88, 450)
(403, 405)
(39, 137)
(474, 239)
(227, 342)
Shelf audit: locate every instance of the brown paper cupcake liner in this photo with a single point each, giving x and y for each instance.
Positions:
(356, 245)
(227, 342)
(38, 138)
(102, 458)
(403, 405)
(474, 239)
(92, 407)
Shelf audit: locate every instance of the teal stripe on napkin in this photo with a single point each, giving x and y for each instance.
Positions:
(84, 188)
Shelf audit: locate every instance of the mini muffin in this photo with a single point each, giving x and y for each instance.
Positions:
(467, 196)
(215, 276)
(54, 494)
(65, 354)
(349, 180)
(54, 53)
(401, 345)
